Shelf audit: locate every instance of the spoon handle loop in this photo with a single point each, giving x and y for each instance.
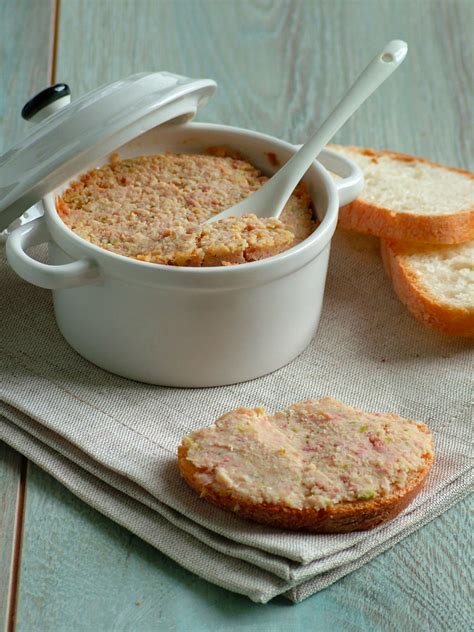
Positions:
(378, 70)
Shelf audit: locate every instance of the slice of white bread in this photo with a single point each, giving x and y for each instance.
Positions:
(406, 198)
(318, 465)
(436, 283)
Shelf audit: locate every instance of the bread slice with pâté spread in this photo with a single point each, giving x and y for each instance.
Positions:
(319, 466)
(406, 198)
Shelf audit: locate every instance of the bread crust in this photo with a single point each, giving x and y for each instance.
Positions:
(344, 517)
(455, 321)
(372, 219)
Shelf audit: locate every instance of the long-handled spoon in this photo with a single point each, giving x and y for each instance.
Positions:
(269, 200)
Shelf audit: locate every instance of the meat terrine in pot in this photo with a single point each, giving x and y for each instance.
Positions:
(176, 325)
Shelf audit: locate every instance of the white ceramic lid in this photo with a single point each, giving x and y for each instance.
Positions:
(74, 136)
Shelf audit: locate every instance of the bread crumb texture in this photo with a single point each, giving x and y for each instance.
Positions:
(151, 208)
(406, 198)
(407, 184)
(446, 272)
(436, 283)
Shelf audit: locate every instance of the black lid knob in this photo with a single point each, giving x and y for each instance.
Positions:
(44, 98)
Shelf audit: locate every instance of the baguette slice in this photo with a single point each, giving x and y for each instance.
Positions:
(319, 466)
(406, 198)
(436, 283)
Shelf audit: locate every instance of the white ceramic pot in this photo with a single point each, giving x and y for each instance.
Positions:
(190, 327)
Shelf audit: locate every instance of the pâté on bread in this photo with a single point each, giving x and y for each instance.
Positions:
(319, 466)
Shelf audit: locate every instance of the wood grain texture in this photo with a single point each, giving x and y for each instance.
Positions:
(10, 466)
(280, 68)
(24, 69)
(282, 65)
(82, 572)
(25, 60)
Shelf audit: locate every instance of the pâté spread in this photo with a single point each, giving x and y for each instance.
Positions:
(152, 208)
(314, 454)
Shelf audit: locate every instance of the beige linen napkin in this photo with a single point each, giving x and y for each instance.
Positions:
(113, 441)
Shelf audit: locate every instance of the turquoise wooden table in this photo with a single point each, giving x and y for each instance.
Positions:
(280, 66)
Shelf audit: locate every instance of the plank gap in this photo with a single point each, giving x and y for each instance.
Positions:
(54, 39)
(18, 529)
(17, 542)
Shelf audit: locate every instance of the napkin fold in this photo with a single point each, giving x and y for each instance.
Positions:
(113, 442)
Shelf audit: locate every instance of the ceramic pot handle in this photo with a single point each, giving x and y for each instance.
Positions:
(51, 277)
(352, 179)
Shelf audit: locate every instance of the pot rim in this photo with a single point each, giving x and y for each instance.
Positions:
(320, 236)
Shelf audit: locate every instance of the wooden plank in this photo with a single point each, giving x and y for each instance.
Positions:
(10, 476)
(280, 67)
(25, 33)
(82, 572)
(25, 61)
